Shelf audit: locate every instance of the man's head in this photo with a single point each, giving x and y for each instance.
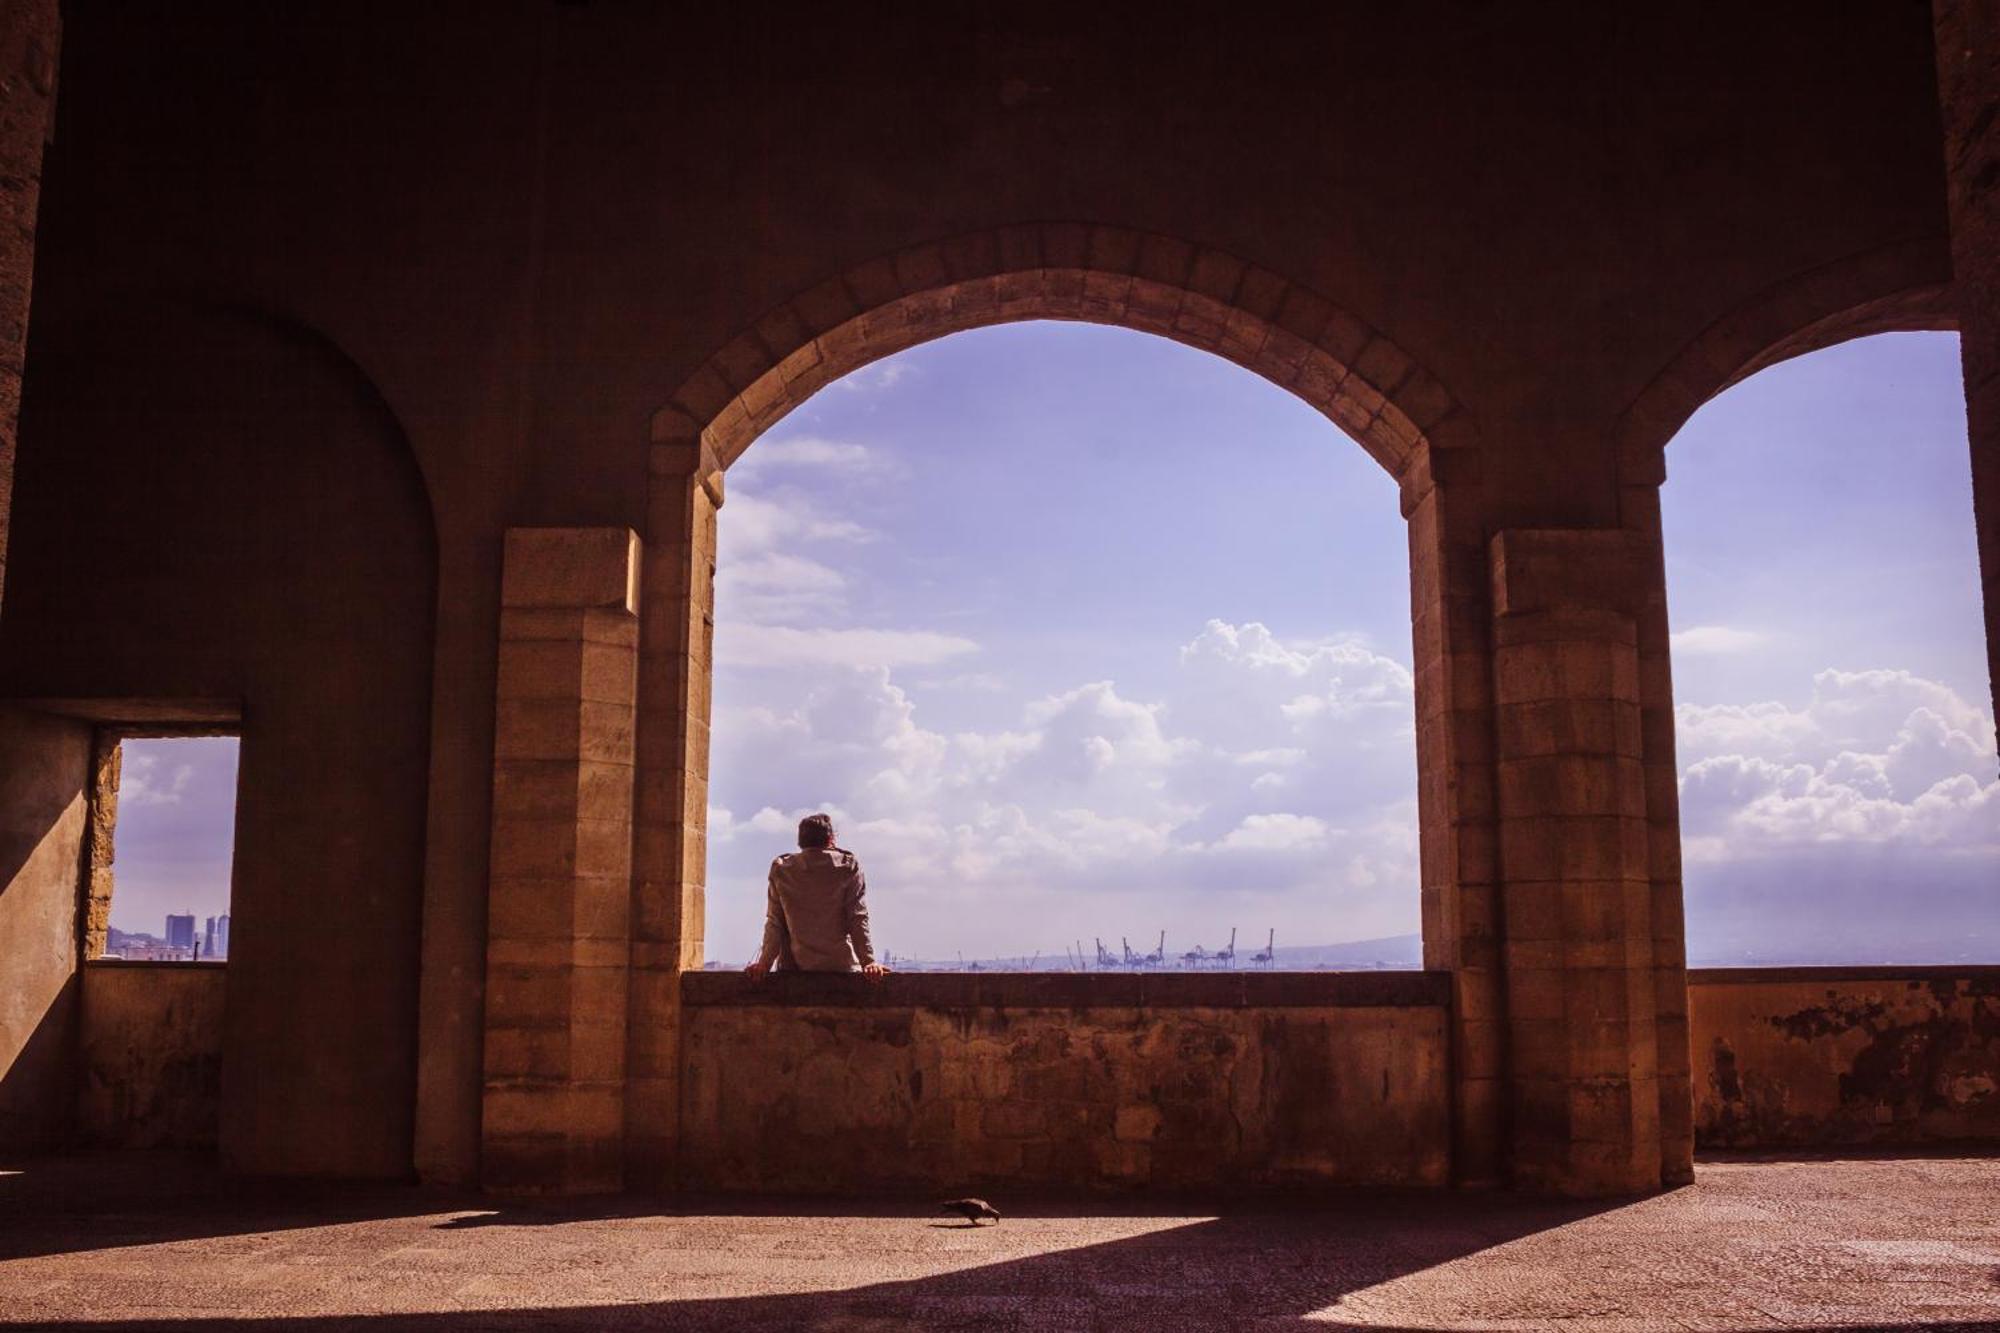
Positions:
(815, 831)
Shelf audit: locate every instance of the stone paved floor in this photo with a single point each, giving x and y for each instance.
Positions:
(155, 1243)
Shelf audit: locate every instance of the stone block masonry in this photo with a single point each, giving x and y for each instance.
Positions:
(557, 936)
(932, 1083)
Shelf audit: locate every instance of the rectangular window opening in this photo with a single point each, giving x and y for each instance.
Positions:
(162, 846)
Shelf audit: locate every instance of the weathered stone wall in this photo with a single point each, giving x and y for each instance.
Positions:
(44, 772)
(1833, 1057)
(149, 1054)
(949, 1082)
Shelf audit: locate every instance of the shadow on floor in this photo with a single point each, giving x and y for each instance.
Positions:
(1223, 1267)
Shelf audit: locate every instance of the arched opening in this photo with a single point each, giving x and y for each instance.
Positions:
(1206, 299)
(1838, 801)
(678, 1088)
(1097, 649)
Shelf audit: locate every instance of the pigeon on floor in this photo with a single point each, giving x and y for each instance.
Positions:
(970, 1209)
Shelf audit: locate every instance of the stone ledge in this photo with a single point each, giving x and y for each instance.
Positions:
(1725, 976)
(1064, 990)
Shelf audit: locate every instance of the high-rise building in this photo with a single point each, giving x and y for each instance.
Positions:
(218, 947)
(180, 932)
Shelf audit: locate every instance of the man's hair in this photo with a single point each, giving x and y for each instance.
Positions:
(816, 831)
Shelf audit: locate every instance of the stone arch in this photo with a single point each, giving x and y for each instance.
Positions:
(1352, 373)
(1900, 287)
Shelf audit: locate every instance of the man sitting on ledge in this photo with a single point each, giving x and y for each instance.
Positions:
(817, 917)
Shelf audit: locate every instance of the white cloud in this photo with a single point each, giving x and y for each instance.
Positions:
(141, 782)
(1875, 759)
(1096, 804)
(975, 682)
(811, 451)
(773, 587)
(786, 645)
(754, 523)
(1275, 833)
(1714, 640)
(880, 375)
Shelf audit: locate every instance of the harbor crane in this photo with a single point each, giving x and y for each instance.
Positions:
(1269, 953)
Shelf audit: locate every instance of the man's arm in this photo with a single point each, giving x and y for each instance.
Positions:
(857, 920)
(774, 928)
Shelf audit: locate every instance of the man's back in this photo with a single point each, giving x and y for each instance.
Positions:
(819, 906)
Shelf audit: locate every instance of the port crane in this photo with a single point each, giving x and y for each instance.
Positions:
(1269, 953)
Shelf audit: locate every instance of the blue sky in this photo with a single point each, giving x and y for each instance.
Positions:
(176, 821)
(1083, 633)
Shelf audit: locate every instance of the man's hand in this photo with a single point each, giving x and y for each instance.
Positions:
(874, 972)
(758, 970)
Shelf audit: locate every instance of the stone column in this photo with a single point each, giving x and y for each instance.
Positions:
(30, 36)
(558, 937)
(1451, 623)
(1577, 901)
(1639, 511)
(1968, 47)
(676, 666)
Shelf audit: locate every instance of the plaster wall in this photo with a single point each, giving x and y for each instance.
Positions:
(1832, 1057)
(218, 518)
(941, 1083)
(149, 1054)
(44, 771)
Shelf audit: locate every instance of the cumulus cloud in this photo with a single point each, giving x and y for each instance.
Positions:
(1875, 758)
(1097, 805)
(1275, 833)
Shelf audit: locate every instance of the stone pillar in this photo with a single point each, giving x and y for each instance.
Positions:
(558, 937)
(1639, 511)
(1577, 901)
(1450, 623)
(677, 635)
(30, 36)
(1968, 47)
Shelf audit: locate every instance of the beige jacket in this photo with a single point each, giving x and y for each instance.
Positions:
(817, 916)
